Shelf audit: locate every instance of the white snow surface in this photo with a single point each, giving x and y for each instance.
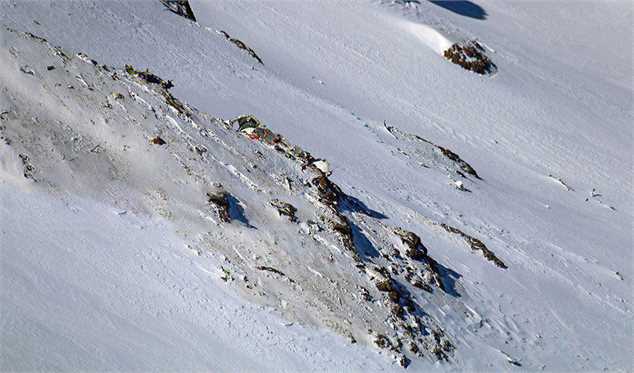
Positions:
(96, 273)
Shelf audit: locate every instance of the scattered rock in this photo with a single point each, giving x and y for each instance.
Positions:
(165, 85)
(28, 168)
(240, 44)
(273, 270)
(285, 209)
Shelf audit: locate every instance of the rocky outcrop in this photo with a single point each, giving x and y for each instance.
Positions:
(218, 199)
(476, 245)
(334, 263)
(180, 7)
(471, 56)
(285, 209)
(240, 44)
(427, 153)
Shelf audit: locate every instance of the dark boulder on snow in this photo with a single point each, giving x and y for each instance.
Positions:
(470, 55)
(180, 7)
(285, 209)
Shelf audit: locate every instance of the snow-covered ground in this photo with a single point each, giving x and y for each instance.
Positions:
(110, 259)
(85, 287)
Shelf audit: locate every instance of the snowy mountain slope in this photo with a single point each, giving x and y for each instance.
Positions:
(110, 284)
(333, 72)
(121, 137)
(123, 293)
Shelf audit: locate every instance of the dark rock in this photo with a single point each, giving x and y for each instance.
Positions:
(240, 44)
(219, 199)
(476, 245)
(470, 55)
(415, 248)
(180, 7)
(157, 140)
(273, 270)
(28, 168)
(285, 209)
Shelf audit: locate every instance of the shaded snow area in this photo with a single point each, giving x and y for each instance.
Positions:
(292, 186)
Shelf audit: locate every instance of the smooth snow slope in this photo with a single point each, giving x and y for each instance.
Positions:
(560, 104)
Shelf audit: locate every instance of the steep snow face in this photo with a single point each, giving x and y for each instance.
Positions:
(104, 265)
(549, 135)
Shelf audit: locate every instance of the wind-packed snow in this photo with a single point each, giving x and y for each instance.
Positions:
(100, 244)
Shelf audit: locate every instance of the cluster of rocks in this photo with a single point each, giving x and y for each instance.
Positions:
(407, 319)
(470, 55)
(28, 168)
(409, 322)
(414, 332)
(251, 127)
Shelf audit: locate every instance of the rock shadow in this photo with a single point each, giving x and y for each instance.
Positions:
(464, 8)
